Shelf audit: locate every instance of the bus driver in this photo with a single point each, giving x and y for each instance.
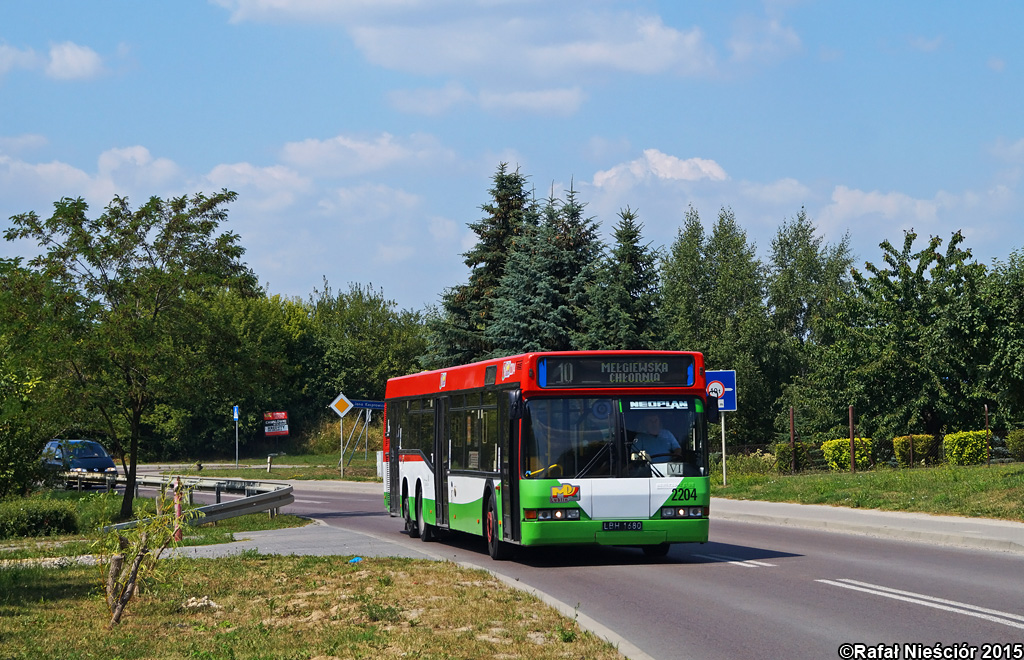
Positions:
(657, 442)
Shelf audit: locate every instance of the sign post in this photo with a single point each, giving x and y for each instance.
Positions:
(722, 386)
(341, 405)
(234, 413)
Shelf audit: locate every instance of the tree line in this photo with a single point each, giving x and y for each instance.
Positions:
(921, 342)
(142, 327)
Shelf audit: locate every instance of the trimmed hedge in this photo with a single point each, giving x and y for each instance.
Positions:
(33, 517)
(966, 447)
(1015, 444)
(837, 453)
(924, 449)
(806, 453)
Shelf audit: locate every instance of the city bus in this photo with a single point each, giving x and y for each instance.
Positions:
(553, 449)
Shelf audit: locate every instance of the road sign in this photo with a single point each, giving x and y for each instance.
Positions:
(234, 413)
(369, 405)
(722, 386)
(341, 405)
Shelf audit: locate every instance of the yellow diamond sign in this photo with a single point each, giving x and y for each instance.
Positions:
(341, 405)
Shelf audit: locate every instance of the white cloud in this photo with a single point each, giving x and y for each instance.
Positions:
(1011, 152)
(634, 44)
(21, 143)
(482, 45)
(762, 39)
(848, 203)
(266, 189)
(655, 164)
(348, 156)
(69, 61)
(13, 58)
(926, 45)
(431, 102)
(996, 64)
(369, 204)
(443, 229)
(562, 102)
(782, 192)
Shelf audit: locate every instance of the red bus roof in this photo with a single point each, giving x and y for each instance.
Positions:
(521, 371)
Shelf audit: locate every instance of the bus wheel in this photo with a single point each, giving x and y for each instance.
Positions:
(424, 530)
(410, 525)
(656, 551)
(497, 548)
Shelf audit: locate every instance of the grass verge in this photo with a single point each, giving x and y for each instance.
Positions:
(252, 606)
(308, 466)
(96, 509)
(978, 491)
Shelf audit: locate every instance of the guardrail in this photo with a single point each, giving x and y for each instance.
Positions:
(259, 495)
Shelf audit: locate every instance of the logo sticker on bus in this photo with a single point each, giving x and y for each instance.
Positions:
(444, 377)
(565, 493)
(659, 405)
(508, 369)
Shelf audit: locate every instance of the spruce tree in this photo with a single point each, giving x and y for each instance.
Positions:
(686, 287)
(625, 295)
(457, 332)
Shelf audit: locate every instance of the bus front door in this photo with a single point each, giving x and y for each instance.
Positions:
(509, 414)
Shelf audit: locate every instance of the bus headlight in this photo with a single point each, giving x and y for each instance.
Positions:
(551, 514)
(684, 512)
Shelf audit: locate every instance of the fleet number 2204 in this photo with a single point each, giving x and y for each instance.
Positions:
(683, 494)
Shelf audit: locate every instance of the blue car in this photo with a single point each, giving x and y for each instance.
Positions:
(86, 456)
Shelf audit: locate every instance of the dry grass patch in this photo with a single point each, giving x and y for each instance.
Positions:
(251, 606)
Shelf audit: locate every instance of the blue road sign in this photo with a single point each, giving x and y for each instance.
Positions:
(234, 413)
(371, 405)
(722, 385)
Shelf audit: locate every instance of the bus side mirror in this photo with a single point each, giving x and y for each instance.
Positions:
(515, 404)
(712, 408)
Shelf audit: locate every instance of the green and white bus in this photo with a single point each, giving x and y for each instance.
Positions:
(557, 448)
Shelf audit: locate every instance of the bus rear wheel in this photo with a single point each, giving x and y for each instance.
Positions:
(497, 548)
(411, 525)
(425, 531)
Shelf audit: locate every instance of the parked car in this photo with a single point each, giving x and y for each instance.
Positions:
(86, 456)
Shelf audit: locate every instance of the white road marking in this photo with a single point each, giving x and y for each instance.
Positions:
(996, 616)
(739, 561)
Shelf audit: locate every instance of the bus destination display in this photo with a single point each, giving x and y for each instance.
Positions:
(616, 371)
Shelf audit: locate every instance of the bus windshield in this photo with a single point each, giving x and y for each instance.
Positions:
(614, 437)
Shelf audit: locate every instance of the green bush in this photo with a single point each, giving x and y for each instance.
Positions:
(837, 453)
(758, 462)
(1015, 444)
(33, 517)
(924, 449)
(805, 455)
(966, 447)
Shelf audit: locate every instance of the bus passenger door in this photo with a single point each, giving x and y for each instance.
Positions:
(509, 414)
(391, 445)
(442, 444)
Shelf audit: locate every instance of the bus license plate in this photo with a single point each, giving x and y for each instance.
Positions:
(622, 526)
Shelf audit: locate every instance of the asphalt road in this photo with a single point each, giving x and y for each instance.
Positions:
(811, 581)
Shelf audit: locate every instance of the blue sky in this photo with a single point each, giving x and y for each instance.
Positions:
(362, 136)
